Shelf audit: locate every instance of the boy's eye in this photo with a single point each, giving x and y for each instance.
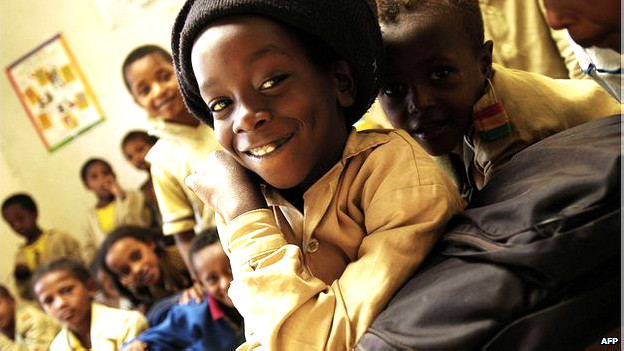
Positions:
(142, 90)
(67, 290)
(272, 82)
(219, 105)
(394, 90)
(439, 74)
(123, 271)
(164, 76)
(135, 255)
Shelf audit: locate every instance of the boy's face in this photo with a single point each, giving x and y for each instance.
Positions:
(434, 78)
(7, 314)
(135, 151)
(590, 23)
(99, 179)
(134, 262)
(65, 298)
(154, 87)
(274, 111)
(21, 220)
(212, 268)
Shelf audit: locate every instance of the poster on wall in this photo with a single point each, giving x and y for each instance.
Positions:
(54, 93)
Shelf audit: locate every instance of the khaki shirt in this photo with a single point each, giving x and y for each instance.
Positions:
(523, 40)
(34, 330)
(58, 244)
(316, 280)
(173, 158)
(535, 107)
(110, 328)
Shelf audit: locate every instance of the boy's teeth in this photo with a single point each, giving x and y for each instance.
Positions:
(263, 150)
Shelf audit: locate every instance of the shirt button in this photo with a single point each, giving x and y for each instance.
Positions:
(313, 246)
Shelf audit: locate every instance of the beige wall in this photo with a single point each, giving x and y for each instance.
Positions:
(53, 178)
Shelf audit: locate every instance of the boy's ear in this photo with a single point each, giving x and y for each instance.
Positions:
(344, 83)
(91, 287)
(485, 58)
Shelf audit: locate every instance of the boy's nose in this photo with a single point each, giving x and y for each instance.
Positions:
(248, 119)
(59, 302)
(419, 101)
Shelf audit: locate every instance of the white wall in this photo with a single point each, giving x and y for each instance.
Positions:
(25, 164)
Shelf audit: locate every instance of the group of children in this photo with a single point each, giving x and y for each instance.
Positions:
(318, 224)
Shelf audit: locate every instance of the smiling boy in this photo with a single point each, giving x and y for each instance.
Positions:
(321, 223)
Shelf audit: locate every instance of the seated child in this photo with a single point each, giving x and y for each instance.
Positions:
(183, 143)
(65, 290)
(41, 246)
(115, 206)
(142, 269)
(442, 88)
(211, 325)
(24, 327)
(135, 145)
(322, 224)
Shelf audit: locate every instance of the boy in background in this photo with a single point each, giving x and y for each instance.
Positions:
(183, 142)
(65, 291)
(442, 88)
(41, 246)
(114, 207)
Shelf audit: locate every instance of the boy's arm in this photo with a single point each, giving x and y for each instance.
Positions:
(286, 308)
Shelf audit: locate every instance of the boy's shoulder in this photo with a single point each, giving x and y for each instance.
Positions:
(394, 143)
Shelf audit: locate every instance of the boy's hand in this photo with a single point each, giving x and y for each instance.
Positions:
(226, 186)
(114, 188)
(136, 345)
(194, 293)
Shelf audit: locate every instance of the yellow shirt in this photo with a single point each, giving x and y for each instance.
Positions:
(75, 343)
(34, 253)
(316, 280)
(106, 217)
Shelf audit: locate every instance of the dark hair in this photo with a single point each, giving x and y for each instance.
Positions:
(140, 52)
(138, 135)
(90, 162)
(467, 10)
(21, 199)
(71, 266)
(5, 293)
(206, 238)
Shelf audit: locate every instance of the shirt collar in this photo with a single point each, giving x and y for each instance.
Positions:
(357, 142)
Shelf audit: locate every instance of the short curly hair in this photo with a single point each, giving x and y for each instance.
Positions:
(468, 11)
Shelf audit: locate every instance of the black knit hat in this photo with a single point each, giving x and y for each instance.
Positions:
(349, 26)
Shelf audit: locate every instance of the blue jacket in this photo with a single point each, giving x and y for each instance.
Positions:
(192, 328)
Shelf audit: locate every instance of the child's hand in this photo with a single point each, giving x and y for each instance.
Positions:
(112, 186)
(194, 293)
(136, 345)
(226, 186)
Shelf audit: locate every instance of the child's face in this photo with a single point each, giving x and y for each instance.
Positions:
(154, 87)
(590, 23)
(7, 314)
(434, 78)
(212, 268)
(99, 177)
(65, 298)
(134, 262)
(135, 151)
(21, 220)
(274, 110)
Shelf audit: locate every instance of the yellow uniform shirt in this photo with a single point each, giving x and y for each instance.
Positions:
(34, 253)
(106, 217)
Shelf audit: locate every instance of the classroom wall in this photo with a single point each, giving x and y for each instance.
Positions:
(25, 164)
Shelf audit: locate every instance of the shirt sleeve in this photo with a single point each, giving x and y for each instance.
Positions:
(286, 308)
(175, 207)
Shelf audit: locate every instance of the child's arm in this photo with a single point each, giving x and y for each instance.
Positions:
(407, 205)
